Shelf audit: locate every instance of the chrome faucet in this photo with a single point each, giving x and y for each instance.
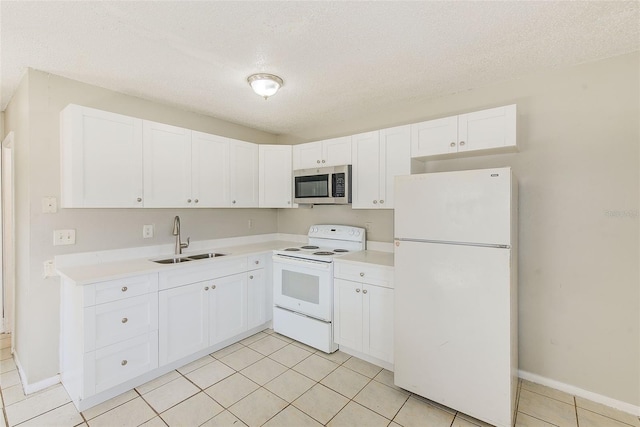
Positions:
(176, 232)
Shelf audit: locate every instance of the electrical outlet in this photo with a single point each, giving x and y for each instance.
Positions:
(49, 269)
(147, 231)
(64, 237)
(250, 224)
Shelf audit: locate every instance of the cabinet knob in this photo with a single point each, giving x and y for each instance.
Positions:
(196, 200)
(323, 161)
(124, 289)
(364, 291)
(188, 200)
(453, 144)
(257, 262)
(381, 202)
(461, 143)
(124, 320)
(250, 277)
(357, 290)
(317, 161)
(213, 286)
(375, 202)
(361, 274)
(124, 362)
(206, 288)
(139, 199)
(233, 202)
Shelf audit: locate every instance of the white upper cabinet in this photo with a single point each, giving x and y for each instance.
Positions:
(167, 165)
(378, 157)
(243, 170)
(101, 159)
(275, 178)
(493, 129)
(330, 152)
(209, 170)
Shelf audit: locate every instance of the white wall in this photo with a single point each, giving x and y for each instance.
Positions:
(578, 164)
(34, 114)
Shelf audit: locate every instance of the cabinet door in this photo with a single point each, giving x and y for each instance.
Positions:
(167, 165)
(228, 314)
(275, 185)
(336, 151)
(378, 322)
(395, 160)
(366, 170)
(347, 314)
(434, 137)
(243, 166)
(307, 155)
(493, 128)
(209, 170)
(184, 321)
(101, 159)
(257, 298)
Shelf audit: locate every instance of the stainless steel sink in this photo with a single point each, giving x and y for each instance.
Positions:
(204, 256)
(173, 260)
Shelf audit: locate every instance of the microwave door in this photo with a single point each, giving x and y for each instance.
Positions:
(312, 186)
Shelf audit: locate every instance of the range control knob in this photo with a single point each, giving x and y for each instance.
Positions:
(350, 232)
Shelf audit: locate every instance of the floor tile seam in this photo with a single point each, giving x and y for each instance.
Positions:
(111, 409)
(402, 406)
(538, 418)
(551, 397)
(309, 415)
(216, 358)
(350, 398)
(36, 416)
(313, 379)
(172, 406)
(433, 403)
(602, 415)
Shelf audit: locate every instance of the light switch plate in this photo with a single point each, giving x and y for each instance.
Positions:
(49, 205)
(64, 237)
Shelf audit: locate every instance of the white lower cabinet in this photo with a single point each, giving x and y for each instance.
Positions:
(184, 321)
(363, 312)
(118, 334)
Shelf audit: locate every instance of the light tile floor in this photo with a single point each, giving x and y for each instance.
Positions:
(270, 380)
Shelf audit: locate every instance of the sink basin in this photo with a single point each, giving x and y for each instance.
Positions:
(203, 256)
(171, 260)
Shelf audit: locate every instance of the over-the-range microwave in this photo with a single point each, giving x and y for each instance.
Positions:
(322, 186)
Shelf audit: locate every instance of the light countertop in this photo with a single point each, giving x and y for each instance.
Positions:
(369, 257)
(92, 273)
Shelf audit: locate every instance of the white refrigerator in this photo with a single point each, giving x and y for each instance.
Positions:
(456, 290)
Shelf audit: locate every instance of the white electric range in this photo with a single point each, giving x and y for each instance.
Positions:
(303, 284)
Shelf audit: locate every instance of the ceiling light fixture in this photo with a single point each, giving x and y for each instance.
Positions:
(265, 85)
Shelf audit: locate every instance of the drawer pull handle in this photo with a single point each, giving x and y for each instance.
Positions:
(361, 274)
(250, 277)
(125, 320)
(357, 290)
(206, 288)
(124, 289)
(461, 143)
(139, 199)
(257, 262)
(364, 291)
(124, 362)
(213, 286)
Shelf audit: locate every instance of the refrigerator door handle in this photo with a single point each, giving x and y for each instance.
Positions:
(444, 242)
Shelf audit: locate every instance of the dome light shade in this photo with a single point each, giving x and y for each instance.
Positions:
(265, 85)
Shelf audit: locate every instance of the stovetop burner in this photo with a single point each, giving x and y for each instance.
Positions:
(340, 250)
(310, 247)
(292, 249)
(323, 253)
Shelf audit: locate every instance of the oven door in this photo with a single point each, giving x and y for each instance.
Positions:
(303, 286)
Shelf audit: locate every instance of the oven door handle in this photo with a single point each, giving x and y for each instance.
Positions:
(307, 263)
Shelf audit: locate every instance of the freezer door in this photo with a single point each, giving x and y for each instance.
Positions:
(467, 206)
(453, 327)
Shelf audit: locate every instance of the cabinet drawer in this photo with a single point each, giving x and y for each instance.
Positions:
(257, 261)
(193, 274)
(115, 364)
(365, 273)
(114, 290)
(117, 321)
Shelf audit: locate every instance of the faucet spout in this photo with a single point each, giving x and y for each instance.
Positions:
(176, 232)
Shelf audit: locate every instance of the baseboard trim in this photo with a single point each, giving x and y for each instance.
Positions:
(32, 388)
(577, 391)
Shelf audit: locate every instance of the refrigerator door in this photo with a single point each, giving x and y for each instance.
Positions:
(467, 206)
(453, 327)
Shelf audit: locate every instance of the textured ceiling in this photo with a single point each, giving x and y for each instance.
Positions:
(337, 58)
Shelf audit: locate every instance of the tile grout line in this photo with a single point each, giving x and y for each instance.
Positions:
(575, 408)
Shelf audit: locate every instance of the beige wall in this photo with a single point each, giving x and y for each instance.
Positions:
(37, 176)
(578, 164)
